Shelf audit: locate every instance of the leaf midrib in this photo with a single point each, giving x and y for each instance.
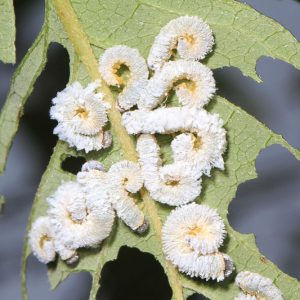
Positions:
(82, 46)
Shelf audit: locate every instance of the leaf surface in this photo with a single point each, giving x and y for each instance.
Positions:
(7, 32)
(242, 36)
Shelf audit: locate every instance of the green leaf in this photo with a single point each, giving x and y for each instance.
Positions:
(8, 32)
(242, 36)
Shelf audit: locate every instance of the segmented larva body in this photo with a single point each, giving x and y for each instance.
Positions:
(78, 220)
(195, 93)
(124, 178)
(174, 184)
(259, 286)
(194, 227)
(192, 38)
(201, 148)
(109, 64)
(81, 115)
(41, 240)
(191, 237)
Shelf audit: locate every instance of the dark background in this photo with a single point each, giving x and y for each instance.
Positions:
(268, 206)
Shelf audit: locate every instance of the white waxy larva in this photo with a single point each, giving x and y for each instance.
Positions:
(203, 146)
(77, 219)
(41, 240)
(197, 257)
(195, 93)
(195, 227)
(174, 184)
(259, 286)
(125, 177)
(109, 64)
(191, 35)
(81, 114)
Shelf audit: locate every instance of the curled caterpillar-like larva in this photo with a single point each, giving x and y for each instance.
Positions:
(256, 285)
(196, 227)
(81, 115)
(202, 145)
(174, 184)
(41, 240)
(125, 177)
(109, 64)
(78, 220)
(191, 237)
(196, 92)
(190, 35)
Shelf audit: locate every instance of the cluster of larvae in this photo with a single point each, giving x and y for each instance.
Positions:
(81, 213)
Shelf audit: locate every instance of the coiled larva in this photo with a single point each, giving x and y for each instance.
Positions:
(81, 115)
(124, 178)
(41, 240)
(257, 285)
(196, 227)
(203, 147)
(174, 184)
(195, 93)
(190, 35)
(109, 64)
(191, 237)
(77, 219)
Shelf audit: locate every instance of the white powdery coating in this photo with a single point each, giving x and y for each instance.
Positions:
(78, 220)
(195, 227)
(205, 130)
(81, 115)
(196, 93)
(173, 184)
(92, 165)
(260, 286)
(191, 35)
(242, 296)
(125, 176)
(207, 227)
(41, 240)
(111, 61)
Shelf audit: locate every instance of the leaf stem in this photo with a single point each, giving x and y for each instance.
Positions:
(83, 48)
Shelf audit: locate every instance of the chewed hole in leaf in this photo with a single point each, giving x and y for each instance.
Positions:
(268, 207)
(52, 80)
(197, 297)
(135, 275)
(274, 102)
(73, 164)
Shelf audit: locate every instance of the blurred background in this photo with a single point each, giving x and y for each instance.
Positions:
(268, 206)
